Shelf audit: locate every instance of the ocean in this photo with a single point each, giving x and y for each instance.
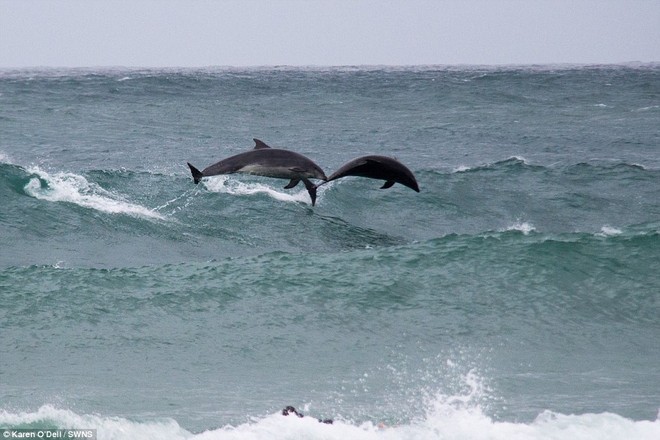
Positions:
(517, 296)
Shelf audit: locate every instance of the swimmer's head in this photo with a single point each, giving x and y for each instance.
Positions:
(290, 410)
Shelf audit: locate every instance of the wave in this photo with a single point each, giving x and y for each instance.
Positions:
(606, 231)
(445, 417)
(71, 188)
(606, 234)
(520, 163)
(608, 166)
(366, 244)
(609, 231)
(50, 417)
(76, 189)
(511, 162)
(524, 227)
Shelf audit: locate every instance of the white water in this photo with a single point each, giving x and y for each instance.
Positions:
(446, 417)
(74, 188)
(608, 231)
(524, 227)
(227, 185)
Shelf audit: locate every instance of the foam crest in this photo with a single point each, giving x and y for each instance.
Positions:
(461, 169)
(73, 188)
(107, 428)
(471, 423)
(524, 227)
(609, 231)
(227, 185)
(511, 161)
(449, 417)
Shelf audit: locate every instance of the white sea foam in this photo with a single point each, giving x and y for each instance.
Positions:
(59, 265)
(228, 185)
(465, 168)
(524, 227)
(608, 231)
(644, 109)
(74, 188)
(461, 169)
(447, 418)
(107, 428)
(520, 159)
(458, 416)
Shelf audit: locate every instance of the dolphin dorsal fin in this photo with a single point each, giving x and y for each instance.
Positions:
(260, 144)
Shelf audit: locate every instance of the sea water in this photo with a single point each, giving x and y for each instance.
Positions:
(515, 297)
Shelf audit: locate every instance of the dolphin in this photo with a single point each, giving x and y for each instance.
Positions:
(269, 162)
(377, 167)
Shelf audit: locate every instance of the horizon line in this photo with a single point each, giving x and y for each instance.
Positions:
(332, 66)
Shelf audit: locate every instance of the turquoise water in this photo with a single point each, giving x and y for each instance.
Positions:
(516, 296)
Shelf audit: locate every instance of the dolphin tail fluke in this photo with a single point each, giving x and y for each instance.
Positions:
(311, 189)
(197, 174)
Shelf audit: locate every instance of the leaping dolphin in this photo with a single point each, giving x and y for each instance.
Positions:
(269, 162)
(377, 167)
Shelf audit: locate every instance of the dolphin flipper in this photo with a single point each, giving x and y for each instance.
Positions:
(387, 184)
(197, 174)
(292, 183)
(311, 189)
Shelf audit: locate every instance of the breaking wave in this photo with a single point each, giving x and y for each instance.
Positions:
(76, 189)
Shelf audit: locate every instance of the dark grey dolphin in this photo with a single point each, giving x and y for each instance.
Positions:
(268, 162)
(378, 167)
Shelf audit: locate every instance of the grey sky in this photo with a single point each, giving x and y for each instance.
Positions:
(146, 33)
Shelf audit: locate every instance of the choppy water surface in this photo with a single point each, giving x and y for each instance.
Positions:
(516, 296)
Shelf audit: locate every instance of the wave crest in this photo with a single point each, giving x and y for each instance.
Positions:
(445, 420)
(76, 189)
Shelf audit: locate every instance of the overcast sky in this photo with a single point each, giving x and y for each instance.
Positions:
(180, 33)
